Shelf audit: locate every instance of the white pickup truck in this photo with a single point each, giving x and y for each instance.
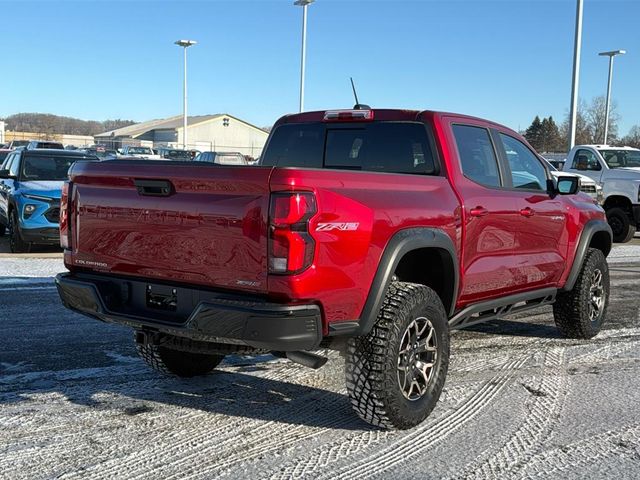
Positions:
(138, 152)
(617, 170)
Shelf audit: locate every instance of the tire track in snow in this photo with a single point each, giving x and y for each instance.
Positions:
(170, 447)
(58, 445)
(542, 414)
(585, 452)
(424, 435)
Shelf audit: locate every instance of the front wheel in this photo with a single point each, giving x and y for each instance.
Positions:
(621, 226)
(580, 312)
(395, 374)
(176, 362)
(16, 243)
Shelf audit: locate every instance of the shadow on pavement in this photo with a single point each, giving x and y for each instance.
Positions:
(227, 393)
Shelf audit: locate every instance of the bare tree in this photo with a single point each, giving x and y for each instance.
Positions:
(583, 129)
(632, 139)
(596, 114)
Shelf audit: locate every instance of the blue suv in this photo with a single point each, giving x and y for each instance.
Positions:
(30, 187)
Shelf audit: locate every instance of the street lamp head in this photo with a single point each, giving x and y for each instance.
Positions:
(185, 43)
(303, 3)
(612, 53)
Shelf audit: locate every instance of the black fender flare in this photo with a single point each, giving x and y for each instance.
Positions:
(401, 243)
(590, 229)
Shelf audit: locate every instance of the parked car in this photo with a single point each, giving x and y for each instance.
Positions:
(174, 154)
(222, 158)
(617, 170)
(138, 152)
(370, 231)
(34, 144)
(18, 143)
(101, 152)
(30, 186)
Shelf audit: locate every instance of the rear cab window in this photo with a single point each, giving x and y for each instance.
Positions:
(391, 147)
(477, 155)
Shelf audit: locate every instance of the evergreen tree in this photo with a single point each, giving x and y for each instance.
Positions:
(533, 134)
(551, 140)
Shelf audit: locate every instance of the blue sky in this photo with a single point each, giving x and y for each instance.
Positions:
(504, 60)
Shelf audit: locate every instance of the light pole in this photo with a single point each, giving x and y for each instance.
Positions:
(304, 4)
(576, 75)
(184, 44)
(610, 54)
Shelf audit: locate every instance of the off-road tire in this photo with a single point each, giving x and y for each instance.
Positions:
(371, 363)
(3, 230)
(621, 225)
(16, 243)
(175, 362)
(572, 309)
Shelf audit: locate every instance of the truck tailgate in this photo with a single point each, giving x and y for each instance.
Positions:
(208, 228)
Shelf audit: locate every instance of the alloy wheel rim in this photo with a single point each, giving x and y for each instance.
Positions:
(596, 296)
(417, 358)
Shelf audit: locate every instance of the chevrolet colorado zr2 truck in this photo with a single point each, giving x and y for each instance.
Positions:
(371, 231)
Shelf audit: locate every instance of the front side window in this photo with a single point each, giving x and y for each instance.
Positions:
(585, 160)
(527, 171)
(44, 167)
(621, 158)
(477, 157)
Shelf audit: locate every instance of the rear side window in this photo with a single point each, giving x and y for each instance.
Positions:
(393, 147)
(477, 157)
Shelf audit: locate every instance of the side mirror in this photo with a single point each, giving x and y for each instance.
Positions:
(7, 174)
(568, 185)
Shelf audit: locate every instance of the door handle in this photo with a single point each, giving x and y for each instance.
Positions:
(527, 212)
(478, 212)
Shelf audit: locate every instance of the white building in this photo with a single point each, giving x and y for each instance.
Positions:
(218, 133)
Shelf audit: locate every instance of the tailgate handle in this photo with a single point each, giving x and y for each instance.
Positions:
(154, 188)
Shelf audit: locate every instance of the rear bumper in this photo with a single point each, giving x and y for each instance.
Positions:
(199, 314)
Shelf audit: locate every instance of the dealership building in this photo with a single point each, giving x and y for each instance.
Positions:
(218, 133)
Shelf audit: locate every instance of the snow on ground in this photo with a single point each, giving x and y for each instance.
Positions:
(31, 267)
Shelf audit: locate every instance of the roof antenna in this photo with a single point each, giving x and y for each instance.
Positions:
(358, 105)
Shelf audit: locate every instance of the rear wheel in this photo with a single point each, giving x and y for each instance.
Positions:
(621, 226)
(16, 244)
(396, 373)
(176, 362)
(580, 312)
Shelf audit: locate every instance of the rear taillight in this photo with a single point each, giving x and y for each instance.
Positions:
(291, 247)
(348, 115)
(65, 215)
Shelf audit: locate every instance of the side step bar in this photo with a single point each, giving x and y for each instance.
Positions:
(501, 307)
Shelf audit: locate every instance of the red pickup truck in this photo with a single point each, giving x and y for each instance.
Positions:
(371, 231)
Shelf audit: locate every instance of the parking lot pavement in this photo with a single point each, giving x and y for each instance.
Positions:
(76, 402)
